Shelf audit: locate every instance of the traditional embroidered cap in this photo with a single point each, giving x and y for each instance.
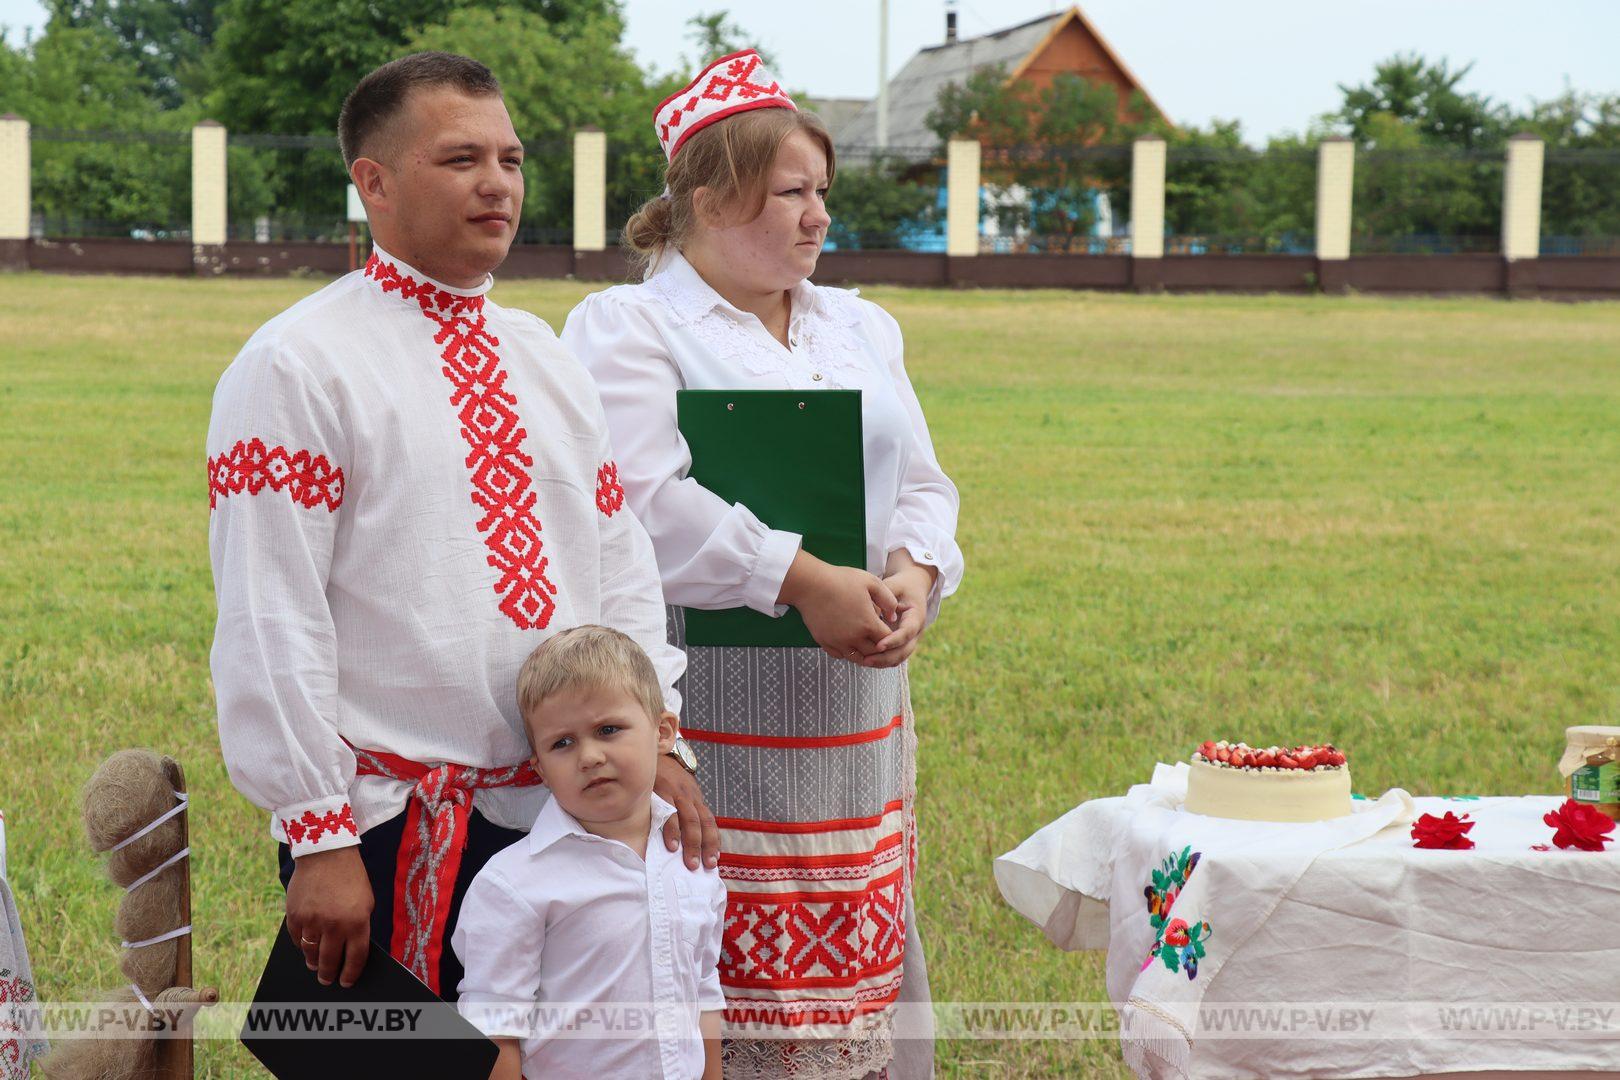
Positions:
(732, 84)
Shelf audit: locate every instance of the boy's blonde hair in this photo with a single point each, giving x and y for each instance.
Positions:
(588, 657)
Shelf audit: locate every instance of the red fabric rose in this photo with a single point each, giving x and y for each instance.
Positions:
(1450, 831)
(1577, 825)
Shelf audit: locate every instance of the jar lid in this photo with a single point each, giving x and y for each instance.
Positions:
(1583, 740)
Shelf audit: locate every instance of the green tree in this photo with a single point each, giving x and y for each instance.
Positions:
(1423, 98)
(558, 78)
(80, 79)
(880, 205)
(285, 66)
(1580, 189)
(715, 34)
(1049, 154)
(165, 38)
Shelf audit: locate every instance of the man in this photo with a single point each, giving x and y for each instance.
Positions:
(411, 486)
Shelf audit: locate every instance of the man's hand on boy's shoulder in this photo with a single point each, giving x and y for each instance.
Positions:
(692, 828)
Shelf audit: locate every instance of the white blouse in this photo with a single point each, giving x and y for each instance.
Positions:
(644, 342)
(410, 487)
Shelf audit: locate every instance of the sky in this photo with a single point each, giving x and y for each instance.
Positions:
(1271, 64)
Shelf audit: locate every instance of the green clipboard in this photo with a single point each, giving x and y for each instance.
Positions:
(794, 458)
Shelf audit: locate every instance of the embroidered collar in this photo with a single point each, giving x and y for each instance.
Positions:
(702, 298)
(553, 823)
(822, 323)
(392, 275)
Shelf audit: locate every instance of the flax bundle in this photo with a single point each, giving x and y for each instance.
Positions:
(134, 1058)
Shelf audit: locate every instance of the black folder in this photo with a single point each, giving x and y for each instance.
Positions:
(285, 1043)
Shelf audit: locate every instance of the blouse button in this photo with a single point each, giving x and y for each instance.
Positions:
(928, 554)
(816, 376)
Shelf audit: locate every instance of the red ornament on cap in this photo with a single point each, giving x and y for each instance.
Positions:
(729, 85)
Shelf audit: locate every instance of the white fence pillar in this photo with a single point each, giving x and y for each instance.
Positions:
(590, 189)
(208, 205)
(962, 197)
(1147, 197)
(14, 178)
(1335, 184)
(1521, 198)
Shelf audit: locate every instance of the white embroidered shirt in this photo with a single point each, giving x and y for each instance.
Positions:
(644, 342)
(604, 941)
(411, 488)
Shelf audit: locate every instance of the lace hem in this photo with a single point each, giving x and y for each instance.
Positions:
(819, 1059)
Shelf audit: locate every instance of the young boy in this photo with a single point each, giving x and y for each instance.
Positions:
(590, 916)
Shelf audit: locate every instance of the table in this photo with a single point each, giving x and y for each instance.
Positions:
(1501, 958)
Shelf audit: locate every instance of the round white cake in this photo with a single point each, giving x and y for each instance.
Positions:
(1235, 780)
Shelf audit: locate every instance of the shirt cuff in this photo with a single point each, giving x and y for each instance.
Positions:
(764, 585)
(496, 1016)
(938, 551)
(710, 997)
(319, 825)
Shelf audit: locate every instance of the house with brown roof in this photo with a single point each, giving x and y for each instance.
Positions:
(1034, 52)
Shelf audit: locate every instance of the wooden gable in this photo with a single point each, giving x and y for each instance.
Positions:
(1073, 45)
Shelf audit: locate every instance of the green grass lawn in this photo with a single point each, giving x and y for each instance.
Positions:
(1388, 524)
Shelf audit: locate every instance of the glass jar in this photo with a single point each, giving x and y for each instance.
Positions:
(1591, 767)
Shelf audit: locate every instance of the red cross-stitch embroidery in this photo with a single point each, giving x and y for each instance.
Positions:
(836, 942)
(310, 827)
(501, 487)
(251, 466)
(735, 78)
(609, 492)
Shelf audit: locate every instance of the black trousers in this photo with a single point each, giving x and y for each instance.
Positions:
(379, 850)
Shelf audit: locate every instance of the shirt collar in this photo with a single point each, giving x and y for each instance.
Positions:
(414, 280)
(553, 823)
(687, 279)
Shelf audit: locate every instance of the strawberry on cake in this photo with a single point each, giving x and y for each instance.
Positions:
(1301, 783)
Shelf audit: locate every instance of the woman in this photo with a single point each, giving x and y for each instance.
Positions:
(807, 755)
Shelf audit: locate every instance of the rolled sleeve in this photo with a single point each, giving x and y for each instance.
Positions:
(498, 939)
(710, 997)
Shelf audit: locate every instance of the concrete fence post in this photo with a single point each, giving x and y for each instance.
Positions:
(1147, 197)
(962, 197)
(1335, 197)
(208, 205)
(15, 207)
(590, 189)
(1521, 198)
(1148, 155)
(1335, 184)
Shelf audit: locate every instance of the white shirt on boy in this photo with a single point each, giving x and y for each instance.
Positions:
(567, 920)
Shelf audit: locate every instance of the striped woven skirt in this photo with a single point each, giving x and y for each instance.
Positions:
(809, 764)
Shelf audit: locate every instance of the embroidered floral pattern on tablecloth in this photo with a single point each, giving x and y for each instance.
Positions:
(251, 466)
(1177, 944)
(496, 460)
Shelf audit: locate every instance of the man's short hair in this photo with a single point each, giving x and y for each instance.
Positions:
(378, 97)
(588, 657)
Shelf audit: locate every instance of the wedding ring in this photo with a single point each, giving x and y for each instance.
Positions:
(306, 941)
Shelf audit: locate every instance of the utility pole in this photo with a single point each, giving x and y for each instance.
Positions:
(883, 76)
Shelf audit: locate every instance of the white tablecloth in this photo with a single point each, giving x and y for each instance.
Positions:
(1527, 941)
